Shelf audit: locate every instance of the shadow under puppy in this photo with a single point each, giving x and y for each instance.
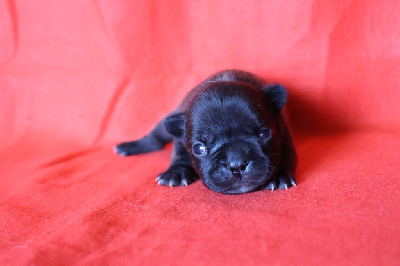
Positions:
(230, 132)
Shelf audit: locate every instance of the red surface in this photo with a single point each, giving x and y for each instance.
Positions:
(77, 77)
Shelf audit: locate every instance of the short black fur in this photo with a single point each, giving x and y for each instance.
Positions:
(229, 132)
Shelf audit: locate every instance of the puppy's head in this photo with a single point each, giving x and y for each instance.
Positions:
(231, 133)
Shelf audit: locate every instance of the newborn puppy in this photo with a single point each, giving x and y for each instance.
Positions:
(229, 131)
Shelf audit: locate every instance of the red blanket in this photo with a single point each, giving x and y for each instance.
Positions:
(76, 77)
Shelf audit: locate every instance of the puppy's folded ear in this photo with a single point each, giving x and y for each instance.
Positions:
(175, 125)
(276, 95)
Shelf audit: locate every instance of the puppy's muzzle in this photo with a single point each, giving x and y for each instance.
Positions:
(235, 161)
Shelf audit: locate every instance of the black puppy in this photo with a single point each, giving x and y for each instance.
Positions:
(229, 131)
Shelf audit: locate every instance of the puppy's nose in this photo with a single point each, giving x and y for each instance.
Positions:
(238, 167)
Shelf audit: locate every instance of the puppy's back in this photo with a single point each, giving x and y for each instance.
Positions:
(237, 75)
(231, 75)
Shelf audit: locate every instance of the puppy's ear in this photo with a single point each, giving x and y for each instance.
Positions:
(175, 125)
(276, 95)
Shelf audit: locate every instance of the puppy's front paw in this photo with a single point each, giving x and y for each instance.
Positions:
(281, 181)
(177, 175)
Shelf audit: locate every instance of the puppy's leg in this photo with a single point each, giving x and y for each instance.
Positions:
(180, 172)
(284, 178)
(153, 141)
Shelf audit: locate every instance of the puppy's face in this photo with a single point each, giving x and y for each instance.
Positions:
(231, 135)
(232, 139)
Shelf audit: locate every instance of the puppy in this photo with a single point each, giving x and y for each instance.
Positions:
(229, 132)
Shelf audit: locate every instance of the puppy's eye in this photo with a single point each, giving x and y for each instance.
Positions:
(199, 149)
(264, 134)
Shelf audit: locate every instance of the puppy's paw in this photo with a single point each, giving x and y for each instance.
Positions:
(281, 181)
(128, 148)
(177, 175)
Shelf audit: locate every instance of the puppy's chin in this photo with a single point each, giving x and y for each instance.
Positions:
(238, 186)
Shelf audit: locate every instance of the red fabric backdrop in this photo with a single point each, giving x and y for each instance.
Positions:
(76, 77)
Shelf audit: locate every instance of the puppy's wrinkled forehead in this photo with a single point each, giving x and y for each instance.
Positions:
(225, 109)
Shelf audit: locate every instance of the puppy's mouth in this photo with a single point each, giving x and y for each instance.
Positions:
(239, 186)
(234, 184)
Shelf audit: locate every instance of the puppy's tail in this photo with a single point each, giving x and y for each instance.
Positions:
(155, 140)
